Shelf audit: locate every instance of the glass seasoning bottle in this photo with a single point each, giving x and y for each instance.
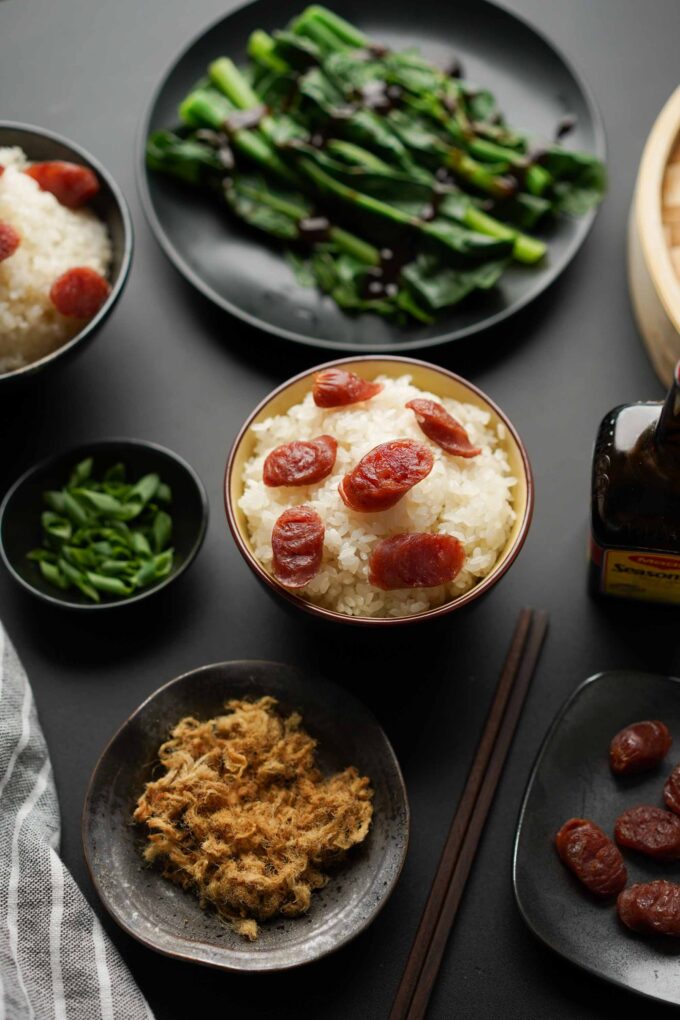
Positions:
(635, 507)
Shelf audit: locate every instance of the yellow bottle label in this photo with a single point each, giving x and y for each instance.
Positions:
(639, 574)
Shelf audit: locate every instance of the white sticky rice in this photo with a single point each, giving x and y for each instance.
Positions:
(470, 499)
(53, 239)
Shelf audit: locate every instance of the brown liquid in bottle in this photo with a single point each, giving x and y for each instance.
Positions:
(635, 509)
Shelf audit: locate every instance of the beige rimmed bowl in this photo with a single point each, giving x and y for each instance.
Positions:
(427, 377)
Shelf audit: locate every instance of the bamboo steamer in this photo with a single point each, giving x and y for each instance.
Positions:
(654, 242)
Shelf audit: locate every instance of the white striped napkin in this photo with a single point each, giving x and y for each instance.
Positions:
(56, 962)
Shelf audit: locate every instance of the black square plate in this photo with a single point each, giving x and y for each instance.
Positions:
(572, 778)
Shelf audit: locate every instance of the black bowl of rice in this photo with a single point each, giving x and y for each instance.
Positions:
(51, 240)
(483, 502)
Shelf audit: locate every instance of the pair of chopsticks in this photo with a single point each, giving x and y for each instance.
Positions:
(466, 829)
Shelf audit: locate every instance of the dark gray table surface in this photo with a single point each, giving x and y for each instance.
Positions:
(167, 367)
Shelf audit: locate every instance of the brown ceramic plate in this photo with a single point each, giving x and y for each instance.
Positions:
(165, 918)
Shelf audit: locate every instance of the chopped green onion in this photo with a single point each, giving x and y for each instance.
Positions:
(105, 536)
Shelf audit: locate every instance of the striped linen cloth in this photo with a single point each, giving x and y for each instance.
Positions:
(56, 963)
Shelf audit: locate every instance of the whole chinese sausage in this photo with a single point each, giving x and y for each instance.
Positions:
(592, 856)
(671, 790)
(649, 830)
(652, 908)
(639, 747)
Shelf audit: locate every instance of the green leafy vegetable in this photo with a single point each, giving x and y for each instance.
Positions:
(337, 149)
(440, 286)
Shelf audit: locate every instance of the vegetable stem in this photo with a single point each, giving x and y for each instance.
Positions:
(352, 245)
(356, 155)
(295, 212)
(478, 175)
(321, 33)
(525, 249)
(203, 108)
(262, 49)
(340, 27)
(326, 183)
(225, 76)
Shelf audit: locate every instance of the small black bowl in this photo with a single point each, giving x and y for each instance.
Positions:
(109, 205)
(21, 508)
(170, 920)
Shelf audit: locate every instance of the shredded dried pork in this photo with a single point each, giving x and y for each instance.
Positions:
(243, 817)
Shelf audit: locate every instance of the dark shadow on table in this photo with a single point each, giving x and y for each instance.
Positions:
(279, 359)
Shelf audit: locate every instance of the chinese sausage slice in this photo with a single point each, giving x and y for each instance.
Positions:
(302, 462)
(336, 387)
(297, 546)
(442, 428)
(71, 184)
(415, 560)
(385, 474)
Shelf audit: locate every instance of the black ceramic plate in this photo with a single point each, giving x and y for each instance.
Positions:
(169, 920)
(236, 269)
(572, 777)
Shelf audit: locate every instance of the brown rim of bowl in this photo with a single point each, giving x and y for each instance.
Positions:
(329, 614)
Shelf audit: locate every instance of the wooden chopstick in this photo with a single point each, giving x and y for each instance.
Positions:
(461, 820)
(466, 828)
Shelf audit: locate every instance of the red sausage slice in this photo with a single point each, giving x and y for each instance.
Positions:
(300, 463)
(649, 830)
(297, 544)
(415, 561)
(79, 293)
(439, 426)
(385, 474)
(336, 388)
(652, 908)
(72, 185)
(639, 747)
(592, 856)
(9, 241)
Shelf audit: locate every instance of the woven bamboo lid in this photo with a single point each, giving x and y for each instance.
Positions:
(654, 242)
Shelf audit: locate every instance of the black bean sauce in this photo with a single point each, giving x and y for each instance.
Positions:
(245, 119)
(454, 69)
(383, 280)
(314, 229)
(565, 126)
(218, 141)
